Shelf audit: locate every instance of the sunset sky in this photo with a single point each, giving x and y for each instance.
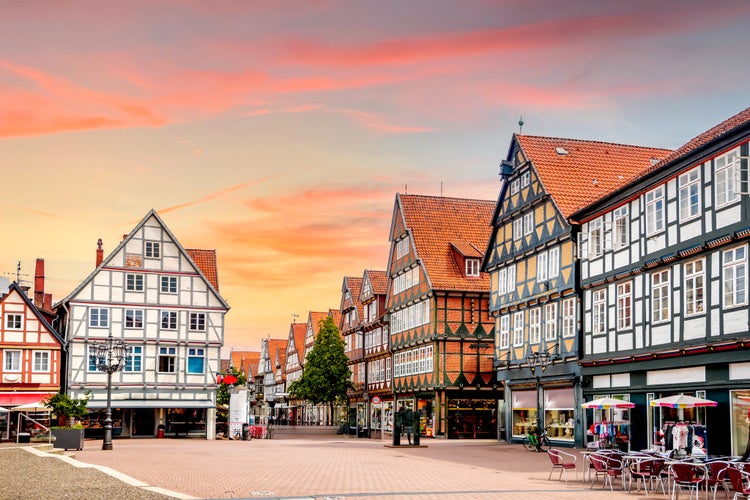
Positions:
(278, 133)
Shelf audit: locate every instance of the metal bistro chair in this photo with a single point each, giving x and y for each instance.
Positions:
(740, 482)
(646, 470)
(686, 475)
(717, 476)
(563, 461)
(607, 467)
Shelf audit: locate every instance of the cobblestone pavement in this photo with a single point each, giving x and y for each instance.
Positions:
(334, 467)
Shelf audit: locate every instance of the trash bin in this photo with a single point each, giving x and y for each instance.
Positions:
(160, 431)
(24, 437)
(245, 432)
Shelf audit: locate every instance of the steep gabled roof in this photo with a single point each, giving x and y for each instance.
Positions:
(353, 284)
(378, 280)
(206, 262)
(14, 288)
(435, 224)
(246, 361)
(576, 172)
(297, 331)
(274, 345)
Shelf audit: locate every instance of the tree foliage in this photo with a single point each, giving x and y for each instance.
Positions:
(325, 375)
(222, 392)
(66, 407)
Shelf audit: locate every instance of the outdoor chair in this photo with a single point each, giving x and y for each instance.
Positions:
(607, 467)
(717, 476)
(563, 461)
(686, 475)
(646, 470)
(740, 482)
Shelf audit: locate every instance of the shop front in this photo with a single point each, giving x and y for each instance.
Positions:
(472, 418)
(381, 417)
(144, 419)
(558, 413)
(740, 415)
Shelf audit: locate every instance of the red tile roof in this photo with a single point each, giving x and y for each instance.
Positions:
(379, 281)
(722, 128)
(298, 333)
(576, 172)
(206, 262)
(436, 223)
(247, 361)
(274, 345)
(354, 284)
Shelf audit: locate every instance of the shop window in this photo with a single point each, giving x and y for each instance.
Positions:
(558, 413)
(524, 412)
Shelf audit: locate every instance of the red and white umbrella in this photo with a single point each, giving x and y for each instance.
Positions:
(682, 401)
(607, 403)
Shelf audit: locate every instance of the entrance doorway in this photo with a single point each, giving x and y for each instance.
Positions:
(143, 422)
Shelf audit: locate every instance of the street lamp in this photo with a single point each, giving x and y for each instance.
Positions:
(111, 356)
(539, 359)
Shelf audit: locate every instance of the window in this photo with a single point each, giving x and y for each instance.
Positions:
(660, 296)
(595, 237)
(514, 187)
(197, 322)
(735, 276)
(472, 267)
(528, 223)
(169, 284)
(541, 267)
(512, 278)
(504, 340)
(134, 362)
(624, 305)
(535, 325)
(554, 262)
(518, 229)
(599, 312)
(550, 321)
(196, 360)
(13, 321)
(621, 227)
(41, 361)
(402, 247)
(502, 283)
(93, 360)
(133, 318)
(169, 320)
(167, 359)
(134, 282)
(518, 329)
(693, 287)
(569, 318)
(525, 179)
(725, 173)
(152, 249)
(655, 211)
(690, 194)
(98, 317)
(11, 361)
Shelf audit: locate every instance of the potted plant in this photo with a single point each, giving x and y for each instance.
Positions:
(68, 433)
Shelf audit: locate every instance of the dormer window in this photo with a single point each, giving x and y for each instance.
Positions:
(472, 267)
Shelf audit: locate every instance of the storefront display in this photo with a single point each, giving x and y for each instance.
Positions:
(388, 416)
(426, 417)
(472, 418)
(740, 401)
(524, 412)
(558, 413)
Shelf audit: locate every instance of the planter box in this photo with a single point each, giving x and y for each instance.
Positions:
(69, 439)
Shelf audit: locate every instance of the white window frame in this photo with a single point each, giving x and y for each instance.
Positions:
(528, 223)
(541, 267)
(511, 278)
(690, 194)
(133, 319)
(535, 325)
(553, 261)
(514, 186)
(502, 283)
(170, 354)
(196, 353)
(518, 319)
(726, 168)
(40, 362)
(518, 229)
(550, 321)
(599, 311)
(197, 322)
(472, 267)
(734, 276)
(168, 284)
(134, 282)
(152, 249)
(504, 336)
(136, 353)
(525, 178)
(98, 317)
(596, 238)
(569, 318)
(621, 227)
(661, 306)
(13, 321)
(12, 360)
(654, 201)
(171, 318)
(624, 305)
(694, 273)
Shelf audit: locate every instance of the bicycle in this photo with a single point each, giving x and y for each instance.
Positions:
(534, 442)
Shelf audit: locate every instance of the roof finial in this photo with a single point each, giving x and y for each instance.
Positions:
(520, 124)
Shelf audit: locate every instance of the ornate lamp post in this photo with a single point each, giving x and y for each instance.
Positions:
(542, 360)
(111, 356)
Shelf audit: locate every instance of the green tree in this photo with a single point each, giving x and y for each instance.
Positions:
(236, 377)
(325, 375)
(66, 407)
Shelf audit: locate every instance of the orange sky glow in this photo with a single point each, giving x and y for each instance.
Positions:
(278, 133)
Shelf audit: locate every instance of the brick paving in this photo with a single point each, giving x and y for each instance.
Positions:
(339, 467)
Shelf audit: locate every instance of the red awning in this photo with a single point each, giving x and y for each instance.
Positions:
(9, 399)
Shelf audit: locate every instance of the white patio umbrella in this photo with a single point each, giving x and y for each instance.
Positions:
(607, 403)
(38, 406)
(4, 410)
(682, 401)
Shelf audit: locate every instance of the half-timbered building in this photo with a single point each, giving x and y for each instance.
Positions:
(267, 370)
(295, 348)
(377, 356)
(163, 301)
(664, 271)
(350, 326)
(441, 332)
(531, 258)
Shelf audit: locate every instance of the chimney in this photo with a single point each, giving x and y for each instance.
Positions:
(47, 302)
(39, 283)
(99, 253)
